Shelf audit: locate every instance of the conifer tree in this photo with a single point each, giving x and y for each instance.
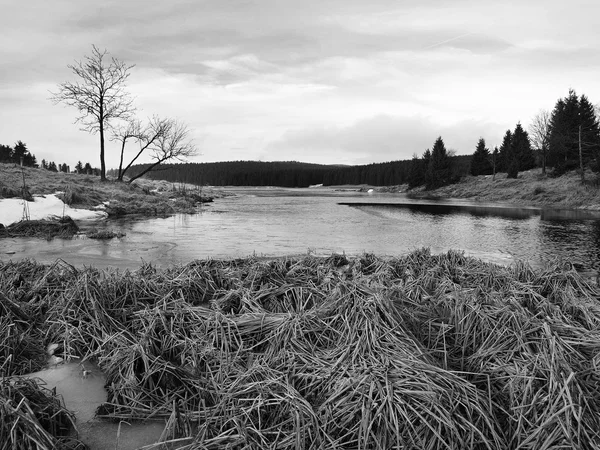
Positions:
(439, 166)
(504, 153)
(494, 162)
(522, 149)
(573, 123)
(5, 153)
(590, 132)
(480, 164)
(416, 174)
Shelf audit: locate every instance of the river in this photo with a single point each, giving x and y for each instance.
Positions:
(278, 222)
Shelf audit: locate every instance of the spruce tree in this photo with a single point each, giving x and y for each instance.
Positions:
(563, 146)
(590, 132)
(522, 149)
(5, 153)
(416, 174)
(480, 163)
(439, 166)
(504, 153)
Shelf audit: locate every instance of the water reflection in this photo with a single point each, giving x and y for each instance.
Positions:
(281, 224)
(445, 209)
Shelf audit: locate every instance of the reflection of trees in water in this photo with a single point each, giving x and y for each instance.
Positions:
(575, 241)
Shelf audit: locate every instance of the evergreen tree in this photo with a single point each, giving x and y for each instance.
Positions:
(480, 164)
(495, 154)
(79, 167)
(522, 149)
(44, 164)
(590, 132)
(20, 150)
(416, 173)
(5, 153)
(438, 172)
(418, 170)
(504, 152)
(573, 119)
(52, 166)
(88, 169)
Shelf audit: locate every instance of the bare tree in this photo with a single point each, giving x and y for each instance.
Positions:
(539, 133)
(99, 95)
(164, 140)
(146, 136)
(132, 129)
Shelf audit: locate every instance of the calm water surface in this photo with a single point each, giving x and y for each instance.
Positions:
(279, 222)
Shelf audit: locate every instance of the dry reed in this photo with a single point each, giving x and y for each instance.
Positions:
(421, 351)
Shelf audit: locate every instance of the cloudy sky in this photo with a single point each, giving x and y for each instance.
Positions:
(326, 81)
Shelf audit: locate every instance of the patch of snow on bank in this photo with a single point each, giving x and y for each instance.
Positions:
(11, 210)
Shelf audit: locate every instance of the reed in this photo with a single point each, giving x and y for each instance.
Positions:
(33, 417)
(419, 351)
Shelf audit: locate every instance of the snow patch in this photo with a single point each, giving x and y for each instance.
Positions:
(43, 207)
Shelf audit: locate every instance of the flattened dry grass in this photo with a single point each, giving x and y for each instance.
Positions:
(61, 227)
(420, 351)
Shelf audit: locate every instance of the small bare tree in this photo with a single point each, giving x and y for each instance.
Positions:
(163, 140)
(99, 95)
(539, 133)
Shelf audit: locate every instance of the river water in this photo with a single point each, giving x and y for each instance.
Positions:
(279, 222)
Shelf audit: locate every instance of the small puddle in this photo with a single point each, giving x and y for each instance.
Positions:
(83, 392)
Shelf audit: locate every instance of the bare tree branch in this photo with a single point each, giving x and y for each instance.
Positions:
(163, 140)
(539, 133)
(147, 138)
(132, 129)
(99, 95)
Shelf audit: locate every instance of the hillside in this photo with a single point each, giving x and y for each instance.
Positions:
(531, 188)
(143, 197)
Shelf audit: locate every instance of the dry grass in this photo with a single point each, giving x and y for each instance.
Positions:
(63, 227)
(530, 188)
(421, 351)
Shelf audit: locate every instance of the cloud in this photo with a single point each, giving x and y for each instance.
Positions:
(382, 138)
(333, 80)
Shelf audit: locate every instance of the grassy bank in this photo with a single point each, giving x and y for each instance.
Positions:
(421, 351)
(143, 197)
(531, 188)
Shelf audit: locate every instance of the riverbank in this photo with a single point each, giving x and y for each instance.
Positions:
(52, 196)
(419, 351)
(531, 188)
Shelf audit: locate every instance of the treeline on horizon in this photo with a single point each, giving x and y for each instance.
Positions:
(564, 139)
(291, 173)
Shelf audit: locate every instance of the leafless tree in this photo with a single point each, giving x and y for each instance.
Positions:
(163, 140)
(132, 129)
(98, 94)
(539, 133)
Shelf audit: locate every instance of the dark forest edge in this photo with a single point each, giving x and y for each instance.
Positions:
(292, 173)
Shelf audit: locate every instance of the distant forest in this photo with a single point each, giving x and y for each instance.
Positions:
(291, 173)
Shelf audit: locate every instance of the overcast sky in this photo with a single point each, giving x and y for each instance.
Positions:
(326, 81)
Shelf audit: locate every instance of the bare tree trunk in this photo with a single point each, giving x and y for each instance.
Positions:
(544, 159)
(102, 164)
(120, 174)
